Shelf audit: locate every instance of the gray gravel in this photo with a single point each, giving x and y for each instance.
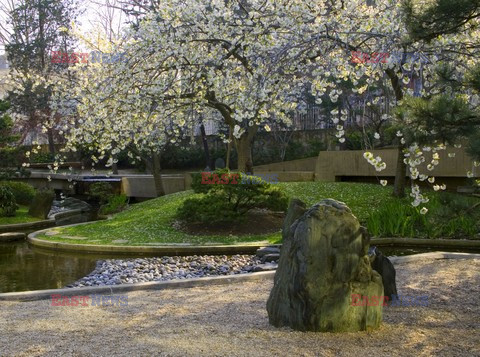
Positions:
(129, 271)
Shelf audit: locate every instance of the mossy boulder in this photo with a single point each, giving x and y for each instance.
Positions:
(323, 262)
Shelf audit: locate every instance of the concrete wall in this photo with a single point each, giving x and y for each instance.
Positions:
(290, 176)
(141, 186)
(144, 186)
(333, 164)
(307, 164)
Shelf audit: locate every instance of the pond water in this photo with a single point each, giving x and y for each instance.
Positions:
(23, 267)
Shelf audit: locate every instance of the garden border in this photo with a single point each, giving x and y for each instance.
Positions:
(46, 223)
(172, 249)
(22, 227)
(198, 282)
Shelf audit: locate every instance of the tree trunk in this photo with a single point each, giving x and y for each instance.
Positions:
(401, 169)
(400, 175)
(114, 165)
(157, 174)
(51, 143)
(229, 146)
(244, 153)
(205, 145)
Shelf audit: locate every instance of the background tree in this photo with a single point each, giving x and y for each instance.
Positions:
(37, 28)
(7, 139)
(452, 108)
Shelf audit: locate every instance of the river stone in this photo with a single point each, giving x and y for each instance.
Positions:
(324, 261)
(11, 237)
(267, 250)
(264, 267)
(72, 211)
(268, 258)
(41, 204)
(70, 203)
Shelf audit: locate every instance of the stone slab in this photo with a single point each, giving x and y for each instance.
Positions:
(12, 237)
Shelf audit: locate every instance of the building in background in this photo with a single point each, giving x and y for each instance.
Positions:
(3, 74)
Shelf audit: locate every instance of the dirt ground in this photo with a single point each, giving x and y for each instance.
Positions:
(232, 321)
(256, 222)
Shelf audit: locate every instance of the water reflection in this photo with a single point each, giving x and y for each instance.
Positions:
(24, 268)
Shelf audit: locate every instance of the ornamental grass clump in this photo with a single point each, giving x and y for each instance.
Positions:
(449, 216)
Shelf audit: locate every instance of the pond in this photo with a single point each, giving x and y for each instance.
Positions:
(23, 267)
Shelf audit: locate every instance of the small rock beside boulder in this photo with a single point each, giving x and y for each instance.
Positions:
(267, 250)
(383, 266)
(268, 258)
(265, 267)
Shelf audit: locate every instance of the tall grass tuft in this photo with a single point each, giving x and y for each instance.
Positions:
(449, 216)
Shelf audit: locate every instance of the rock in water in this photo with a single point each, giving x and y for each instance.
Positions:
(324, 261)
(385, 268)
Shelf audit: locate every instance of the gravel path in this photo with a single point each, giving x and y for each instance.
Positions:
(232, 321)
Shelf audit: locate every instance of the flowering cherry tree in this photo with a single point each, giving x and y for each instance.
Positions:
(221, 57)
(106, 109)
(250, 62)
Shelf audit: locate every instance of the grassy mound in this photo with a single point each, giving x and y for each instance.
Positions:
(152, 222)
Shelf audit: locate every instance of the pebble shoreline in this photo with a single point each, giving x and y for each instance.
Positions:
(140, 270)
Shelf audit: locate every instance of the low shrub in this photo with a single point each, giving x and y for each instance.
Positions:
(100, 191)
(115, 204)
(229, 202)
(23, 192)
(8, 205)
(454, 215)
(42, 157)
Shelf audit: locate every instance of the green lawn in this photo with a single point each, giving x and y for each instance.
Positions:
(151, 221)
(21, 217)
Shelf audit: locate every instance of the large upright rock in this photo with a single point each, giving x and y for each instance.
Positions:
(41, 204)
(323, 262)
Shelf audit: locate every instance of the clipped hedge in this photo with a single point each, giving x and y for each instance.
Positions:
(226, 197)
(23, 192)
(8, 206)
